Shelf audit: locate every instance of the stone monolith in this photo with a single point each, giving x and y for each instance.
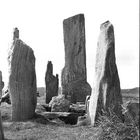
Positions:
(22, 79)
(74, 76)
(52, 83)
(106, 93)
(1, 84)
(1, 129)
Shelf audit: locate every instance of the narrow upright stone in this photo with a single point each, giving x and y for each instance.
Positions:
(52, 83)
(106, 93)
(22, 80)
(74, 76)
(1, 84)
(16, 34)
(1, 129)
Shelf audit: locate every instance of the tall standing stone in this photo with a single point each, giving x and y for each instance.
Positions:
(106, 93)
(1, 130)
(22, 80)
(52, 83)
(74, 76)
(1, 84)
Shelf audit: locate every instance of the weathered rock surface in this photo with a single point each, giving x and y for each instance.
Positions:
(106, 93)
(67, 117)
(52, 83)
(131, 112)
(54, 115)
(5, 98)
(59, 104)
(87, 104)
(74, 77)
(41, 108)
(16, 34)
(46, 107)
(22, 80)
(1, 84)
(75, 108)
(1, 130)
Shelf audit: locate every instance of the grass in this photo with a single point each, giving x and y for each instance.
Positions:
(112, 128)
(39, 128)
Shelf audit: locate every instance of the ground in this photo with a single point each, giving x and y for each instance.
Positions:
(40, 128)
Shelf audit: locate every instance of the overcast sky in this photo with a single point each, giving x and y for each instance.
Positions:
(40, 26)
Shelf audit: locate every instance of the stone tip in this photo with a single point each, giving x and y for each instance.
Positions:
(72, 18)
(108, 29)
(15, 28)
(105, 24)
(49, 62)
(15, 33)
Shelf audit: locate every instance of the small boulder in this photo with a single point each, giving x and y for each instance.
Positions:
(59, 104)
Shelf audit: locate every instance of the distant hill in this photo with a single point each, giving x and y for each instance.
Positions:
(130, 94)
(132, 91)
(41, 90)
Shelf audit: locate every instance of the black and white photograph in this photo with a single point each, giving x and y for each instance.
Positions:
(69, 69)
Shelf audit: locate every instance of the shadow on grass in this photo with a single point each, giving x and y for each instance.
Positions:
(39, 119)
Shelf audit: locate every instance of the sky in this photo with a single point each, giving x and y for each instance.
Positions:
(40, 23)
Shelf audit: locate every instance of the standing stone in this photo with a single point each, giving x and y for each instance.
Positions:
(52, 83)
(22, 80)
(1, 130)
(1, 84)
(74, 76)
(16, 34)
(106, 93)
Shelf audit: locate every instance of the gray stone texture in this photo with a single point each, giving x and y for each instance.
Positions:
(1, 129)
(59, 104)
(1, 84)
(74, 77)
(16, 33)
(22, 80)
(106, 93)
(52, 83)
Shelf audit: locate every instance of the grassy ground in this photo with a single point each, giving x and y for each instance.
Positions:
(40, 128)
